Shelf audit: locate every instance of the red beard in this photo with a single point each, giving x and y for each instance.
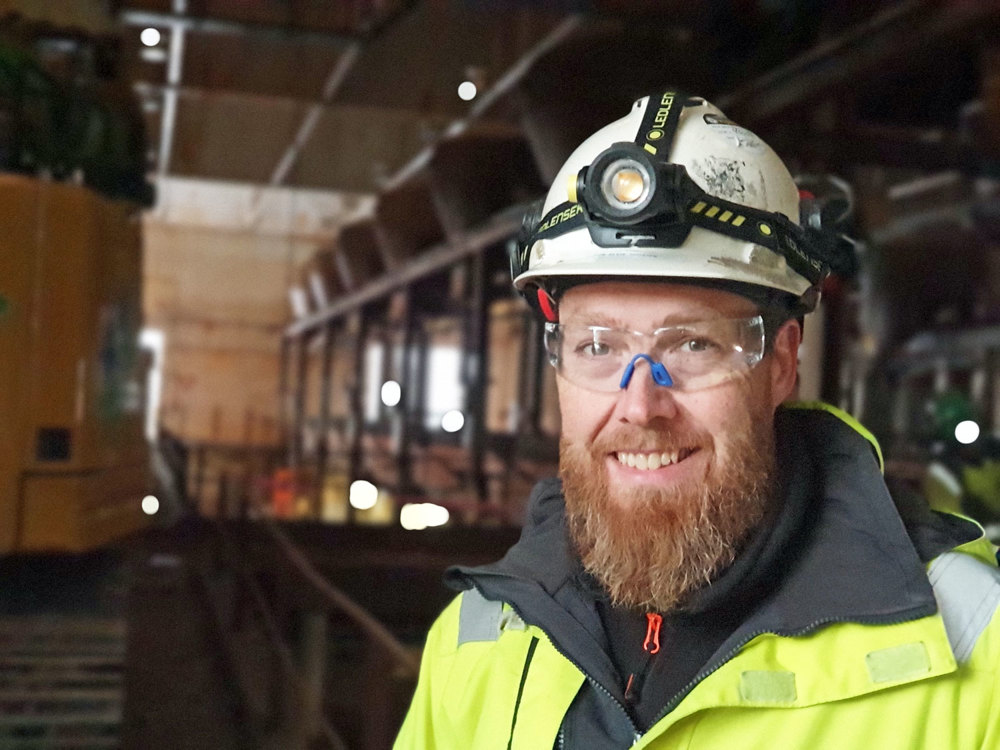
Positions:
(653, 546)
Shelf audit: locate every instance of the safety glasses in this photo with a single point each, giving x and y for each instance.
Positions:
(694, 355)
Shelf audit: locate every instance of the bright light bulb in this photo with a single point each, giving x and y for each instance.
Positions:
(452, 421)
(467, 91)
(150, 505)
(418, 516)
(435, 515)
(411, 518)
(967, 432)
(150, 37)
(363, 494)
(391, 393)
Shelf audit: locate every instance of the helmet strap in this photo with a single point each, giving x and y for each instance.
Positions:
(660, 121)
(547, 304)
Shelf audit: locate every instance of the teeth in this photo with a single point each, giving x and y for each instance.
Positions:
(649, 461)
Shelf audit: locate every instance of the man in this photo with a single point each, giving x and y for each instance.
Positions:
(714, 569)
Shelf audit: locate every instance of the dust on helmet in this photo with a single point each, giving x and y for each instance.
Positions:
(673, 190)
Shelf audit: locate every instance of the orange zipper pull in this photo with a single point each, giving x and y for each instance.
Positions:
(652, 643)
(629, 695)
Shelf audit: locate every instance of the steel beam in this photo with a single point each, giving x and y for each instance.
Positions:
(476, 345)
(299, 401)
(334, 81)
(284, 362)
(357, 404)
(229, 27)
(180, 23)
(403, 427)
(326, 392)
(504, 85)
(175, 63)
(499, 228)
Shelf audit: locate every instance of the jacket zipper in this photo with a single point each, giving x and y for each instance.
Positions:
(651, 645)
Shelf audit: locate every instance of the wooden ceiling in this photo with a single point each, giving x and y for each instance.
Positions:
(342, 95)
(354, 96)
(313, 94)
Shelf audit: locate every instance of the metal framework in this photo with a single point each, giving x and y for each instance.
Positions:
(438, 242)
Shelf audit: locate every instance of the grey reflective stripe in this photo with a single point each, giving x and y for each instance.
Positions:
(478, 618)
(968, 593)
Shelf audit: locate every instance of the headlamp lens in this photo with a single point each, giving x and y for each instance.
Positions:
(625, 184)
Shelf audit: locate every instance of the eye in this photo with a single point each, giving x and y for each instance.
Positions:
(698, 346)
(594, 348)
(595, 343)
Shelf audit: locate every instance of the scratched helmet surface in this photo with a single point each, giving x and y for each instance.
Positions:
(726, 161)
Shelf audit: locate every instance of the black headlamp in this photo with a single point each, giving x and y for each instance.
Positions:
(625, 186)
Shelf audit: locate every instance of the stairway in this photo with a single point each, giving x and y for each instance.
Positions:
(61, 682)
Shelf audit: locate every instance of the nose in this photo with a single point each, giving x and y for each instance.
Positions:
(643, 398)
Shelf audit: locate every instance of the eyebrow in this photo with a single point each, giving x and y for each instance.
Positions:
(604, 321)
(671, 321)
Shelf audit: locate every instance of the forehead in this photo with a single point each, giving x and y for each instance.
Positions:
(643, 305)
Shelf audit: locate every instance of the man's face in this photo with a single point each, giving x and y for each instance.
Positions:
(662, 485)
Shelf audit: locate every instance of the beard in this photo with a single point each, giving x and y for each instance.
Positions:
(651, 547)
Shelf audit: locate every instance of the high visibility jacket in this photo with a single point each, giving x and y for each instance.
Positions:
(889, 671)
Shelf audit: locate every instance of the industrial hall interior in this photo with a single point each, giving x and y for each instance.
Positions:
(264, 375)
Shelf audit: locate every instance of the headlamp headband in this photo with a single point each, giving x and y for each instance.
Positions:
(667, 207)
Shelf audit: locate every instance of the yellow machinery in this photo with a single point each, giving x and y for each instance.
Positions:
(74, 461)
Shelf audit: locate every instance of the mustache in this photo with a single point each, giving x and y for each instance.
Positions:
(647, 440)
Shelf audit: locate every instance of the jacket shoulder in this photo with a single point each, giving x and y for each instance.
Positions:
(967, 590)
(471, 618)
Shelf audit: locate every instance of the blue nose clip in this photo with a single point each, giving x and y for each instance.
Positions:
(656, 369)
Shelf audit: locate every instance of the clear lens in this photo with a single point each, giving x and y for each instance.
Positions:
(697, 355)
(625, 184)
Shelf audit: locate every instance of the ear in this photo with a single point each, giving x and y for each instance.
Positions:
(785, 361)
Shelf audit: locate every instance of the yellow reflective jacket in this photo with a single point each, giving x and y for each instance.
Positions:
(892, 671)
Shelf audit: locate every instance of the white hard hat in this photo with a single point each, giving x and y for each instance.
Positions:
(673, 190)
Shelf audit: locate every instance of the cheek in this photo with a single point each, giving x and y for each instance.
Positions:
(582, 412)
(729, 408)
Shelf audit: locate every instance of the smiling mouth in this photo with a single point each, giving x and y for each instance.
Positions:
(651, 461)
